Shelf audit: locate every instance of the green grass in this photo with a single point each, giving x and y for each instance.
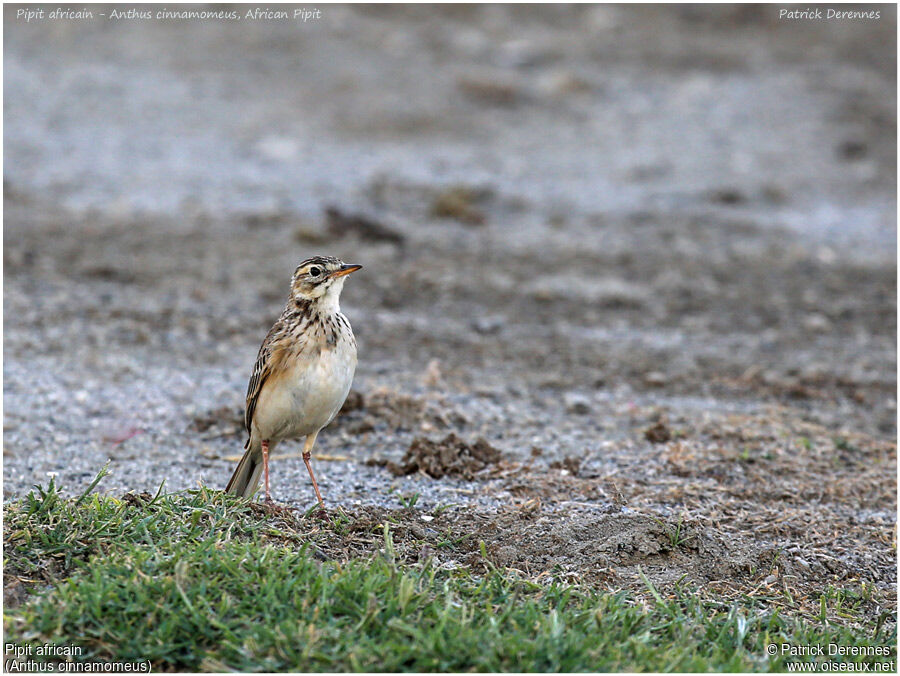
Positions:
(199, 580)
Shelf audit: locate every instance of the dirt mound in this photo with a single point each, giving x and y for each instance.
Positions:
(622, 549)
(619, 547)
(449, 457)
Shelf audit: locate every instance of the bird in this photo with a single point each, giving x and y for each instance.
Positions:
(302, 374)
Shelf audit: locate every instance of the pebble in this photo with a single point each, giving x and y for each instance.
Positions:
(817, 323)
(655, 379)
(577, 403)
(562, 82)
(488, 325)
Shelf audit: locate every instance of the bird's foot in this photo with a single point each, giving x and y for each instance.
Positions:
(318, 512)
(274, 508)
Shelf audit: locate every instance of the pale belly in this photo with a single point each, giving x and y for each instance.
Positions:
(305, 398)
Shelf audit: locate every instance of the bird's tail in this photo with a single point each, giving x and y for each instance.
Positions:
(245, 479)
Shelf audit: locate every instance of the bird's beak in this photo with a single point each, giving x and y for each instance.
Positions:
(345, 270)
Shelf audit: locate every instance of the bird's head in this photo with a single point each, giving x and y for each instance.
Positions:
(320, 279)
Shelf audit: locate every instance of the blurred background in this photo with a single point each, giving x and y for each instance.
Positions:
(578, 223)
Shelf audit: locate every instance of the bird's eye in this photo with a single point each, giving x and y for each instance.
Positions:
(314, 271)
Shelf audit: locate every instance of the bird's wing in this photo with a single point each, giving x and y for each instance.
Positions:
(262, 369)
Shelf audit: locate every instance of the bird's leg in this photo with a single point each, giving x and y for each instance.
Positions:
(307, 451)
(265, 452)
(270, 505)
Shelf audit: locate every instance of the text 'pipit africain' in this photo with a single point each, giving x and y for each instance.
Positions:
(302, 374)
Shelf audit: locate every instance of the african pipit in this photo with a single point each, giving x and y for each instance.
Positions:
(302, 373)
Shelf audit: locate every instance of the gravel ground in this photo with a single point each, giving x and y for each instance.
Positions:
(646, 253)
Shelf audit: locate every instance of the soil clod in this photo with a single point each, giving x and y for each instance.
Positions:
(449, 457)
(658, 433)
(570, 463)
(460, 202)
(341, 224)
(219, 422)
